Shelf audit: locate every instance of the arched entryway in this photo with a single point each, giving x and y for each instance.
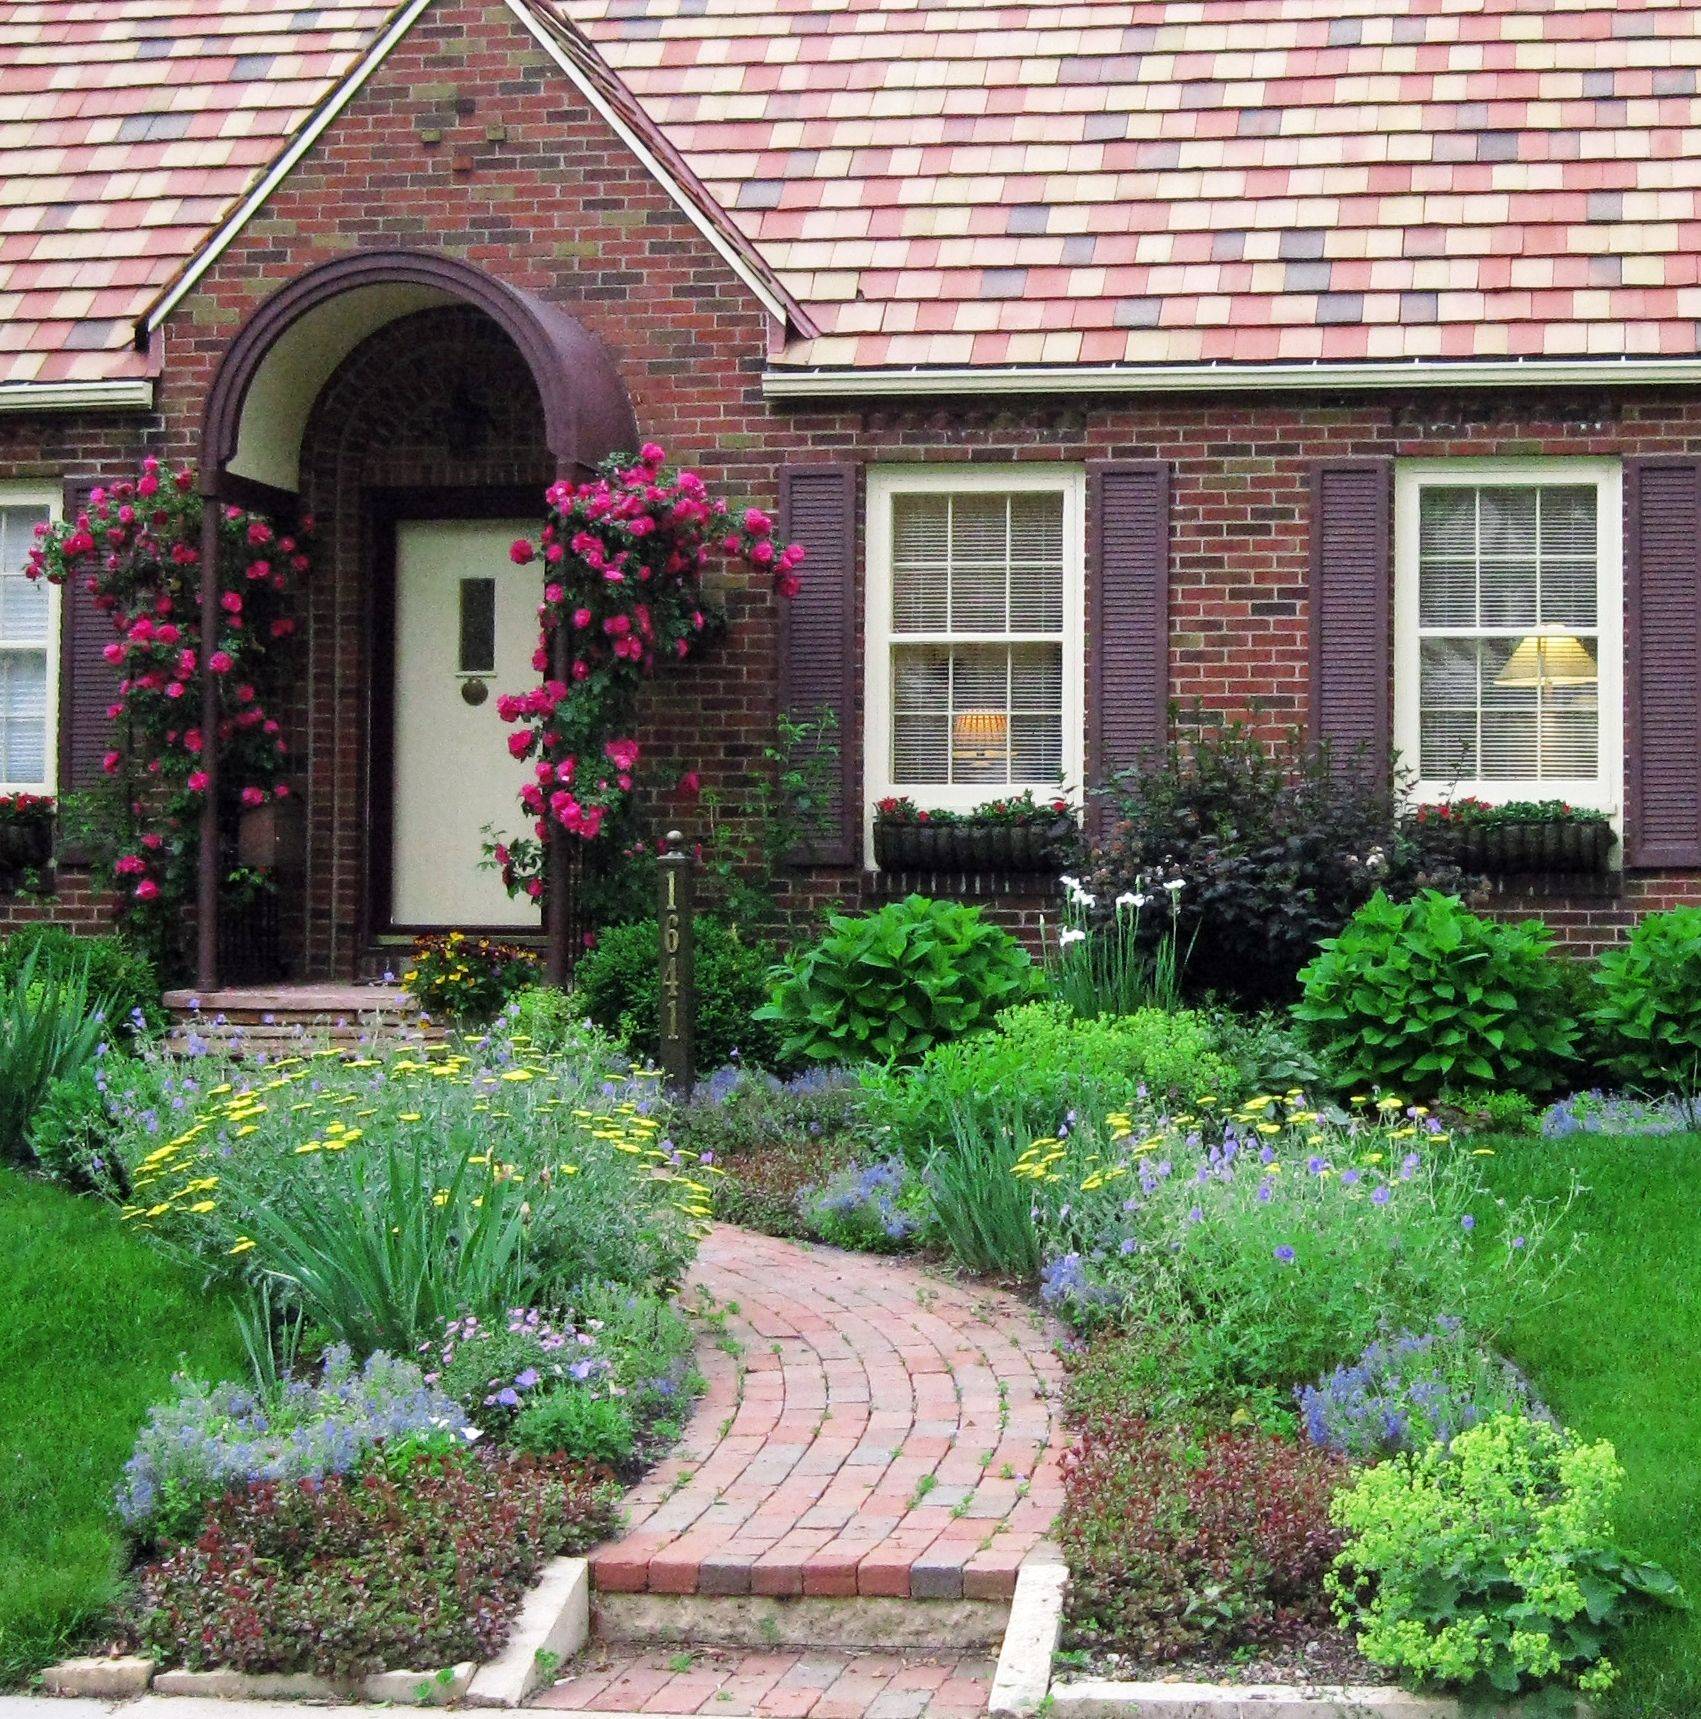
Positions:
(417, 407)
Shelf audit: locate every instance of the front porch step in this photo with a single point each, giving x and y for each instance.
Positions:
(274, 1020)
(773, 1683)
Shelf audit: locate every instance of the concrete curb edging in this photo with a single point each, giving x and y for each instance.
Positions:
(554, 1623)
(1104, 1698)
(1023, 1677)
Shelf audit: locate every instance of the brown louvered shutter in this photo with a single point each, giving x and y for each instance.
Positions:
(1351, 601)
(1663, 662)
(1128, 549)
(88, 683)
(819, 666)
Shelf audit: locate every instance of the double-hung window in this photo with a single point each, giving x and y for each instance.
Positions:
(28, 656)
(974, 634)
(1509, 630)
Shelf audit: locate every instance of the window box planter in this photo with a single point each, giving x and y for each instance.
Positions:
(974, 844)
(1500, 842)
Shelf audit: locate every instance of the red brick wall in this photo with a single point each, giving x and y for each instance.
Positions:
(529, 184)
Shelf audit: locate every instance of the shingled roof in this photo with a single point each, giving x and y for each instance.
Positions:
(955, 183)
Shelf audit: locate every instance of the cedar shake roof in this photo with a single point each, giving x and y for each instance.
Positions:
(126, 131)
(950, 183)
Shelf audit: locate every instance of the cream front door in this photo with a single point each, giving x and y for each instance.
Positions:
(466, 626)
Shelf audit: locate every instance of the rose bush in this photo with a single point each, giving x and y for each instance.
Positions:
(136, 549)
(624, 555)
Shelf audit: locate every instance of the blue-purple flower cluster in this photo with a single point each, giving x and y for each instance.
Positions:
(1408, 1390)
(207, 1439)
(1598, 1112)
(869, 1206)
(496, 1366)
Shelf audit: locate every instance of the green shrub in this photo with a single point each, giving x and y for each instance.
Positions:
(1490, 1562)
(68, 1132)
(1042, 1062)
(1423, 995)
(575, 1422)
(1648, 1003)
(886, 986)
(618, 985)
(117, 970)
(553, 1022)
(50, 1025)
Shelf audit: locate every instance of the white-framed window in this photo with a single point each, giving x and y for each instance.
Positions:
(29, 647)
(974, 629)
(1509, 630)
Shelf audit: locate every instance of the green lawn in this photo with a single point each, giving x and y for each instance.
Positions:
(1620, 1358)
(93, 1323)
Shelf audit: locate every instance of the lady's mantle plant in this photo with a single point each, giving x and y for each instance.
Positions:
(624, 556)
(1491, 1562)
(136, 549)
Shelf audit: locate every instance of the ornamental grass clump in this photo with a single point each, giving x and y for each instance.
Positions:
(391, 1194)
(1491, 1563)
(210, 1438)
(1276, 1239)
(1424, 996)
(51, 1025)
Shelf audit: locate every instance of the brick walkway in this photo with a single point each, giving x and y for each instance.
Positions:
(880, 1431)
(813, 1684)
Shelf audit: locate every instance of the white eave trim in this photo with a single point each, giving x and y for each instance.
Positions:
(779, 383)
(350, 87)
(131, 394)
(687, 206)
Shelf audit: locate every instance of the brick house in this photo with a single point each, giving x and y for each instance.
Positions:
(1338, 361)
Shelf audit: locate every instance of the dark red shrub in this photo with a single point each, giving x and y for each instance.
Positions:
(345, 1577)
(1182, 1543)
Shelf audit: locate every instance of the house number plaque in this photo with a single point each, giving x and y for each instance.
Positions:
(678, 984)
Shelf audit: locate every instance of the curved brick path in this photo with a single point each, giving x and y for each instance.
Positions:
(881, 1431)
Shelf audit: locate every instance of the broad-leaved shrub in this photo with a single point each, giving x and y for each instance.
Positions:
(1423, 995)
(1648, 1003)
(886, 986)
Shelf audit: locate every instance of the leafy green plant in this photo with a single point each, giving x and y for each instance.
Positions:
(468, 979)
(1039, 1063)
(618, 985)
(1648, 1003)
(1490, 1562)
(1423, 995)
(885, 986)
(576, 1422)
(119, 973)
(50, 1025)
(983, 1211)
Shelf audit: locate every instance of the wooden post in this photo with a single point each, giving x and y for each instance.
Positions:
(678, 982)
(207, 871)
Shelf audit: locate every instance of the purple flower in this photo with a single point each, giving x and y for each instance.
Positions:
(1467, 1222)
(1285, 1254)
(1382, 1196)
(525, 1380)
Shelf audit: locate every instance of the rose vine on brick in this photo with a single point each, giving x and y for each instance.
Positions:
(624, 556)
(136, 549)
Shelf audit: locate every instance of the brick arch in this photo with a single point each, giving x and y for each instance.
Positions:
(587, 412)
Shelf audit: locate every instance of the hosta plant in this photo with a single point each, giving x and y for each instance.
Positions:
(885, 986)
(1491, 1563)
(1422, 996)
(1648, 1002)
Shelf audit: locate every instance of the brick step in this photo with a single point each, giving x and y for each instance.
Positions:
(772, 1683)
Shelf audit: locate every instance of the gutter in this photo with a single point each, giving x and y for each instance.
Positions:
(782, 383)
(132, 395)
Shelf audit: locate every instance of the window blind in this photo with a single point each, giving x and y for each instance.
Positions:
(24, 652)
(977, 647)
(1508, 583)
